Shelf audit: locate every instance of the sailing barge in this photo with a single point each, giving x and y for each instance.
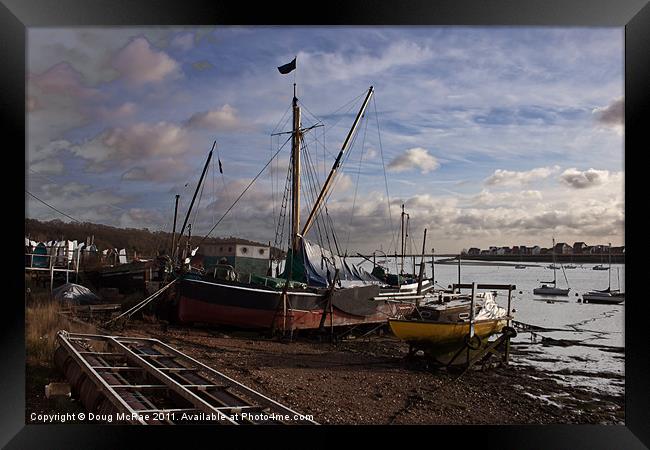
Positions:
(317, 290)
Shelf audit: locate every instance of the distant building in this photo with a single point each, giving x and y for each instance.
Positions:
(485, 252)
(474, 251)
(535, 250)
(244, 258)
(618, 250)
(579, 248)
(544, 251)
(562, 248)
(516, 250)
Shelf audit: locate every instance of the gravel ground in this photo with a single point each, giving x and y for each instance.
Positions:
(369, 381)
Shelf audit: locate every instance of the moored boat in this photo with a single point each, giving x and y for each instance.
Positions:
(606, 297)
(550, 287)
(442, 328)
(317, 289)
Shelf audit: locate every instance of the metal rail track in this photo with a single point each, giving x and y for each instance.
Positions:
(145, 381)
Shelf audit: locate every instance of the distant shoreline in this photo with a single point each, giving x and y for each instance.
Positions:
(563, 259)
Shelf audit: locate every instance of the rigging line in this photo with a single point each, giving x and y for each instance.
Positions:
(311, 171)
(328, 226)
(196, 213)
(58, 182)
(356, 186)
(272, 176)
(50, 206)
(337, 176)
(281, 119)
(244, 191)
(312, 182)
(225, 188)
(279, 232)
(214, 190)
(320, 222)
(381, 151)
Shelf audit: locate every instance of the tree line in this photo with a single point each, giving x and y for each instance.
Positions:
(145, 242)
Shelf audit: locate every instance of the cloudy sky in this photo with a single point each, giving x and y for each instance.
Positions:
(489, 136)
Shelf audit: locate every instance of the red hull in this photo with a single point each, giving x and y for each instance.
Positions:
(191, 310)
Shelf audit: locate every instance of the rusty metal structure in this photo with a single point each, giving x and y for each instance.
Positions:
(145, 381)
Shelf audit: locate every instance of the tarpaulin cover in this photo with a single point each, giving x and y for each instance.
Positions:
(75, 294)
(320, 266)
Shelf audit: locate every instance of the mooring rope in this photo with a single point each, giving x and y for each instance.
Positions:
(142, 304)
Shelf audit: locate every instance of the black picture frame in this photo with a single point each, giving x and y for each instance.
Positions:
(18, 15)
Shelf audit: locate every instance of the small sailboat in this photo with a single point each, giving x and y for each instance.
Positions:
(448, 322)
(550, 287)
(606, 296)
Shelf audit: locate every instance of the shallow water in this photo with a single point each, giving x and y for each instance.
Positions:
(597, 360)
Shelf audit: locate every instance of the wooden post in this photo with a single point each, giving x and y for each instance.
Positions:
(421, 274)
(459, 271)
(402, 230)
(76, 267)
(471, 318)
(173, 249)
(433, 267)
(507, 354)
(295, 174)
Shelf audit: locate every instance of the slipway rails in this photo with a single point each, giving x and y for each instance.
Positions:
(145, 381)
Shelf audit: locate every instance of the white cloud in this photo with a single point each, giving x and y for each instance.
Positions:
(162, 170)
(414, 158)
(513, 178)
(135, 142)
(223, 119)
(80, 201)
(139, 63)
(183, 41)
(342, 66)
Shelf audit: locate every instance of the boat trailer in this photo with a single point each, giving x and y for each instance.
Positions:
(145, 381)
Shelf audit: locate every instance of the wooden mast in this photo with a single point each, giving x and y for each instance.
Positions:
(295, 187)
(401, 272)
(335, 167)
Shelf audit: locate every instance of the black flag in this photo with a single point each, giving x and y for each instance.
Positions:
(220, 168)
(288, 67)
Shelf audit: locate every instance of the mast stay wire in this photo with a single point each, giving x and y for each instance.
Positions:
(314, 189)
(244, 191)
(381, 151)
(356, 186)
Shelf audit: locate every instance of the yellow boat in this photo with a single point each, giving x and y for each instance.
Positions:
(442, 329)
(443, 333)
(443, 341)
